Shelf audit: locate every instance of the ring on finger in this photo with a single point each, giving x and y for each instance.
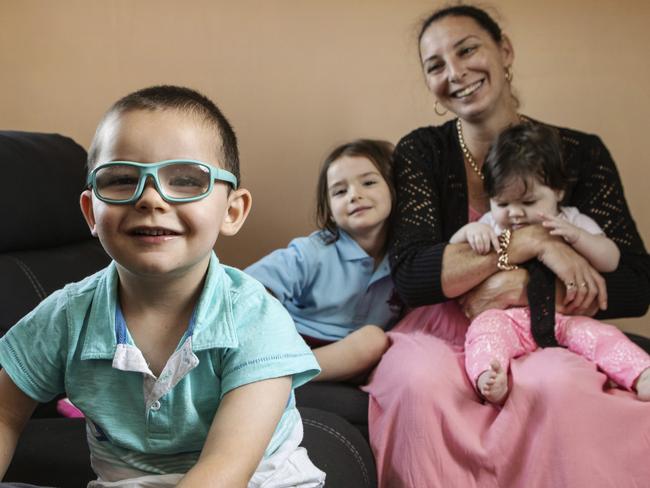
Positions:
(584, 285)
(570, 284)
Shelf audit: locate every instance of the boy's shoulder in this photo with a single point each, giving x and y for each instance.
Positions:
(237, 283)
(242, 305)
(245, 295)
(73, 297)
(90, 283)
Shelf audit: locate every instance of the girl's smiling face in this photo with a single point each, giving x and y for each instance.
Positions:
(359, 197)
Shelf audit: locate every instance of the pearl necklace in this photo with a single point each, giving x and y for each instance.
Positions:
(468, 155)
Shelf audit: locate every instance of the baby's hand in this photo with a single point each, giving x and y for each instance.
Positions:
(560, 227)
(481, 237)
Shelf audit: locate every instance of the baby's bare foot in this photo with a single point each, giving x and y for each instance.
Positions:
(493, 383)
(643, 385)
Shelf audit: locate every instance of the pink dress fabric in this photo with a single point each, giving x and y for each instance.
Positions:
(506, 334)
(560, 426)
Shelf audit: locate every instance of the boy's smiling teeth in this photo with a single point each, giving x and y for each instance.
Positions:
(468, 90)
(152, 232)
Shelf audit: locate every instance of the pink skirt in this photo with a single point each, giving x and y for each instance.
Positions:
(559, 427)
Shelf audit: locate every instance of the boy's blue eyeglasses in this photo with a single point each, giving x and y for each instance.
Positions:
(176, 180)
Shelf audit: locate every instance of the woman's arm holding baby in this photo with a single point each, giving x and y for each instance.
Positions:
(241, 431)
(15, 410)
(508, 288)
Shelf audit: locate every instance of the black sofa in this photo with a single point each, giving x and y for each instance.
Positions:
(45, 244)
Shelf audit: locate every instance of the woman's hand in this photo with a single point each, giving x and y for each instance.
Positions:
(584, 285)
(586, 310)
(501, 290)
(528, 242)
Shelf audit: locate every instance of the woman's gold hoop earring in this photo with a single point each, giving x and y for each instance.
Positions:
(436, 109)
(508, 74)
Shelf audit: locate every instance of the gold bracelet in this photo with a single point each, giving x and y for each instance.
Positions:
(503, 262)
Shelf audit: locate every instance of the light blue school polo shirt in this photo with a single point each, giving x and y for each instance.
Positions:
(76, 342)
(330, 290)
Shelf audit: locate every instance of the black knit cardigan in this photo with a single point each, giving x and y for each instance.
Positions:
(432, 204)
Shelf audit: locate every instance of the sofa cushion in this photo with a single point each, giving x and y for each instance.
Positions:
(343, 399)
(54, 452)
(27, 277)
(43, 175)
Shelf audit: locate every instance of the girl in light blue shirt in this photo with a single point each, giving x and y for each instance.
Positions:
(336, 282)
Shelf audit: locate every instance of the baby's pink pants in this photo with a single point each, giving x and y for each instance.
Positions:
(506, 334)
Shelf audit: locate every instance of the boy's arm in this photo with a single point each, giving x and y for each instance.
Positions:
(15, 410)
(601, 252)
(240, 433)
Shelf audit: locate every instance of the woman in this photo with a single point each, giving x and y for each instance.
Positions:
(558, 428)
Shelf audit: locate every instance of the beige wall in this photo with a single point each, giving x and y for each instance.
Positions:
(298, 76)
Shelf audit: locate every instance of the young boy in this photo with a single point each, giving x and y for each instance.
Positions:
(183, 367)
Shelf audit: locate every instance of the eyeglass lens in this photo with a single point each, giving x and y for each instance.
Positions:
(120, 181)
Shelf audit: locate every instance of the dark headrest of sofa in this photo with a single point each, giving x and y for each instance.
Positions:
(43, 175)
(44, 241)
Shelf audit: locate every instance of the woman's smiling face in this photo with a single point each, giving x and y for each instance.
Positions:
(465, 67)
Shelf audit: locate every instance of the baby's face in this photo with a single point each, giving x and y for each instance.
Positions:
(522, 203)
(152, 236)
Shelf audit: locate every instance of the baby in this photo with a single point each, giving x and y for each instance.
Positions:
(525, 180)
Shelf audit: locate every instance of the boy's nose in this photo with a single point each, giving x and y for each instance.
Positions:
(150, 198)
(515, 211)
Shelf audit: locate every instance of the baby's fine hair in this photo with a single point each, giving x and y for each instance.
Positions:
(378, 152)
(526, 152)
(185, 100)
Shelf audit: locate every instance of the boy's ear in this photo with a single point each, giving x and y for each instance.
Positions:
(559, 195)
(86, 204)
(239, 206)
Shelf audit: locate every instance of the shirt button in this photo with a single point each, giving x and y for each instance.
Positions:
(155, 405)
(367, 264)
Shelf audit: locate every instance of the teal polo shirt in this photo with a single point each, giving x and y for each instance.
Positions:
(330, 290)
(76, 341)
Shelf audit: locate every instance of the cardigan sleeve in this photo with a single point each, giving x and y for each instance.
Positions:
(416, 242)
(598, 192)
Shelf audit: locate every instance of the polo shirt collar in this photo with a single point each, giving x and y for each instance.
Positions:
(382, 271)
(350, 250)
(213, 325)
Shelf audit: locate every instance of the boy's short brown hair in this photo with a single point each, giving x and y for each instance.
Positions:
(185, 100)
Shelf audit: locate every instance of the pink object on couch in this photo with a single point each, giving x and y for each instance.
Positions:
(66, 408)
